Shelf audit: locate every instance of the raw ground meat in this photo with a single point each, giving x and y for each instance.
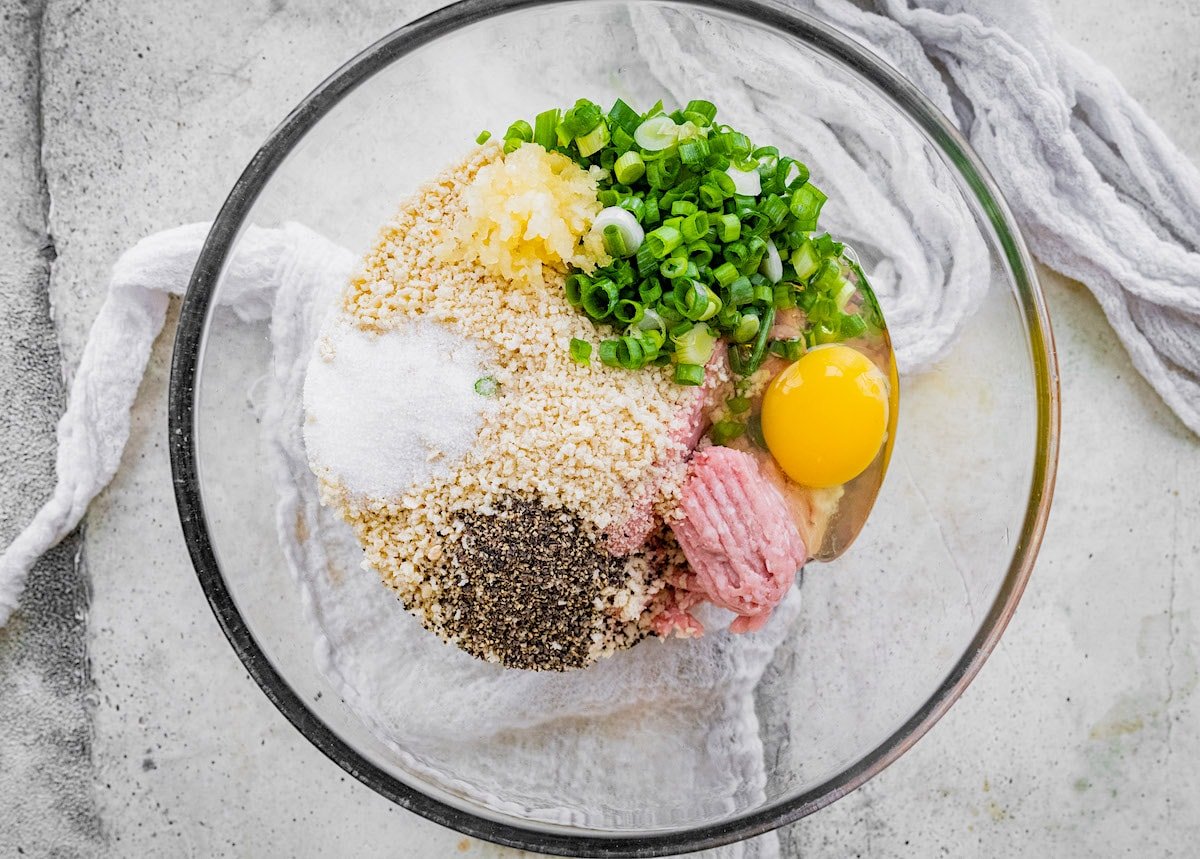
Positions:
(631, 533)
(739, 540)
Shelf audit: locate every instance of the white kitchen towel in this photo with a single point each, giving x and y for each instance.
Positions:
(1101, 194)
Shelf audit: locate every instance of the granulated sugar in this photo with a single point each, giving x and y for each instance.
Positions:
(387, 410)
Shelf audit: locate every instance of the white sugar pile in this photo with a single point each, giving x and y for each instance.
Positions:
(387, 410)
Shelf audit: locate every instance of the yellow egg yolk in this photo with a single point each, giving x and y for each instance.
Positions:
(825, 417)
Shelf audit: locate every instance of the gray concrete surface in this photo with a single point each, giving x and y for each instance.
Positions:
(46, 794)
(1079, 738)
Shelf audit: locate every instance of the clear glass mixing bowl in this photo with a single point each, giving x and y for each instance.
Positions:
(889, 636)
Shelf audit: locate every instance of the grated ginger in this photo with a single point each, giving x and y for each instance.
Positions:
(528, 211)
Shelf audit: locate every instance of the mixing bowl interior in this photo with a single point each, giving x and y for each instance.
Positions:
(888, 635)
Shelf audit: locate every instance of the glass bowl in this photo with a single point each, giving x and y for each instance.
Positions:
(888, 636)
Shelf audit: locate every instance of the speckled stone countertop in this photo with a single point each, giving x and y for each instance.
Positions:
(127, 725)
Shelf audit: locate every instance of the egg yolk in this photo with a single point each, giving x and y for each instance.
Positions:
(824, 417)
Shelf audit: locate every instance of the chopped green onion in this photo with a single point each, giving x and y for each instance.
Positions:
(689, 374)
(725, 274)
(844, 294)
(697, 302)
(520, 130)
(663, 240)
(656, 133)
(647, 260)
(623, 235)
(771, 266)
(723, 181)
(614, 242)
(829, 279)
(628, 311)
(652, 321)
(545, 128)
(592, 142)
(629, 168)
(486, 387)
(694, 226)
(741, 291)
(790, 349)
(673, 267)
(805, 260)
(633, 205)
(484, 137)
(599, 298)
(774, 210)
(705, 108)
(852, 326)
(756, 249)
(709, 237)
(650, 291)
(823, 334)
(695, 346)
(729, 228)
(746, 329)
(710, 195)
(688, 130)
(582, 119)
(630, 354)
(737, 254)
(806, 204)
(623, 116)
(745, 182)
(784, 298)
(760, 343)
(724, 431)
(700, 253)
(663, 172)
(680, 327)
(693, 151)
(581, 351)
(575, 285)
(733, 144)
(622, 141)
(608, 353)
(650, 215)
(738, 405)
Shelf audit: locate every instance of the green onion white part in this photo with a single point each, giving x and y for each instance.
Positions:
(745, 182)
(631, 233)
(772, 266)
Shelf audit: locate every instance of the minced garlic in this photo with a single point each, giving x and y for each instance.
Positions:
(529, 211)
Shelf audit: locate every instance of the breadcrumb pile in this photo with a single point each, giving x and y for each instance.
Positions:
(579, 438)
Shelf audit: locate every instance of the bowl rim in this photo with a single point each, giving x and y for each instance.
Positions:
(181, 438)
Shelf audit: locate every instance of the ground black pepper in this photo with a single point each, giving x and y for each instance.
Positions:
(526, 586)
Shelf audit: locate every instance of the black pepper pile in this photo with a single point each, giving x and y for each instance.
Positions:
(525, 586)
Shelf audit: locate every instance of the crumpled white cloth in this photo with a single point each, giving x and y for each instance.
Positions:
(1101, 193)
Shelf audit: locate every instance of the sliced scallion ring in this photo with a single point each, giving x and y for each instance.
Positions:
(695, 346)
(745, 182)
(771, 265)
(656, 133)
(626, 223)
